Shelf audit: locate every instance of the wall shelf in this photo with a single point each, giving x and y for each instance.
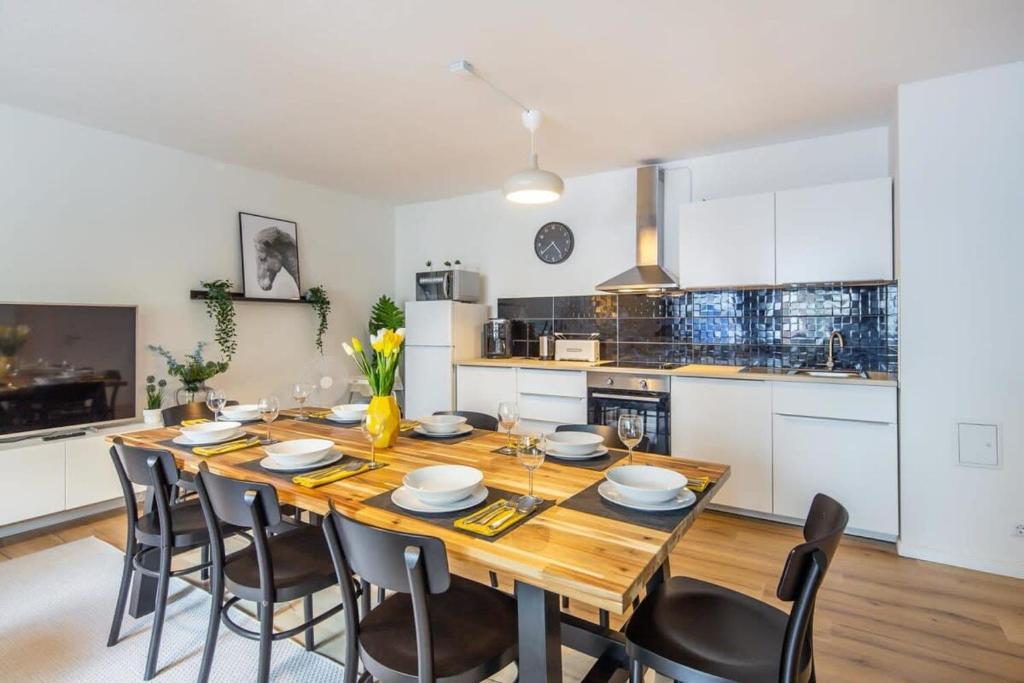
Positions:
(201, 295)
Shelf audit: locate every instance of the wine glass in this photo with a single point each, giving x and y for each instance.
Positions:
(530, 453)
(372, 427)
(268, 408)
(215, 400)
(508, 418)
(631, 431)
(300, 392)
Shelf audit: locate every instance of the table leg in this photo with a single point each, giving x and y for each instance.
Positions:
(540, 635)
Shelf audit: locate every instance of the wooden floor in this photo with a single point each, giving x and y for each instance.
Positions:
(880, 617)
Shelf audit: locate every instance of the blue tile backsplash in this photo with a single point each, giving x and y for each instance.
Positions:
(780, 328)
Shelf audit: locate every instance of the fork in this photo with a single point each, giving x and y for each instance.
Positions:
(349, 466)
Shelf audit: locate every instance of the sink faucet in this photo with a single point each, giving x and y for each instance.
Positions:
(836, 334)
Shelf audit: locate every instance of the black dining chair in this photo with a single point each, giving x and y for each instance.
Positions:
(692, 630)
(166, 527)
(286, 561)
(476, 420)
(196, 410)
(434, 626)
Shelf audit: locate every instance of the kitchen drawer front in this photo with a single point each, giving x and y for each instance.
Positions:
(554, 409)
(854, 462)
(553, 382)
(841, 402)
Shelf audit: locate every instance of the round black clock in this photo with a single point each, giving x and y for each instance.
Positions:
(553, 243)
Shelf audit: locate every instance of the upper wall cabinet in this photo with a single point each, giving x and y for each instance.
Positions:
(727, 242)
(834, 233)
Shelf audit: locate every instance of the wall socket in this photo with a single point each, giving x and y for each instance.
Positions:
(1019, 530)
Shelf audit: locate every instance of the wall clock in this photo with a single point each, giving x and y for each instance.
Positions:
(553, 243)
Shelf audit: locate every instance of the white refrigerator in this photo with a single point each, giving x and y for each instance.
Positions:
(437, 335)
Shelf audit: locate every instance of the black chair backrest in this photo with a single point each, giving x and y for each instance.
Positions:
(150, 467)
(246, 504)
(609, 434)
(477, 420)
(802, 577)
(175, 415)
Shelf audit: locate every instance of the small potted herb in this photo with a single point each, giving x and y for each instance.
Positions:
(154, 400)
(193, 373)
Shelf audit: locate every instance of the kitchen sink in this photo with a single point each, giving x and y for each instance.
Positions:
(825, 372)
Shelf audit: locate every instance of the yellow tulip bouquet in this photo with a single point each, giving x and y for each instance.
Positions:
(379, 368)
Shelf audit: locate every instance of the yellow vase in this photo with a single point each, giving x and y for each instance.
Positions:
(384, 410)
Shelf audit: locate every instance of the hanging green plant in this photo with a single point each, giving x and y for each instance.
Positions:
(386, 314)
(221, 309)
(317, 298)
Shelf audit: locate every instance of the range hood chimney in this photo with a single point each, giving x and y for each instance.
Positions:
(648, 276)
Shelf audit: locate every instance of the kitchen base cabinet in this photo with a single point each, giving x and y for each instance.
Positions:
(727, 421)
(480, 389)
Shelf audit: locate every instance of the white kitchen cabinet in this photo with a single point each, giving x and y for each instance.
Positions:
(480, 389)
(834, 233)
(548, 398)
(730, 422)
(31, 481)
(727, 242)
(89, 474)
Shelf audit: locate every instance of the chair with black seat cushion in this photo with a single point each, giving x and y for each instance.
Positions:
(476, 420)
(434, 626)
(286, 561)
(196, 410)
(692, 630)
(166, 527)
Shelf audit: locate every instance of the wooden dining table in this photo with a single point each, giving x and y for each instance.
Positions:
(590, 558)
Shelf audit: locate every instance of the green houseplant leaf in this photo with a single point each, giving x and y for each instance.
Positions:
(385, 313)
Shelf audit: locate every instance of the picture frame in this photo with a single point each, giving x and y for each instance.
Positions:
(270, 257)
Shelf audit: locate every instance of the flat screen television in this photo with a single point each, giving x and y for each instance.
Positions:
(63, 366)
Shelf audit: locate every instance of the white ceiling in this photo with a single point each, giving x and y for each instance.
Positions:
(356, 94)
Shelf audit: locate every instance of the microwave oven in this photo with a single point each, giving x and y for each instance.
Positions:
(448, 285)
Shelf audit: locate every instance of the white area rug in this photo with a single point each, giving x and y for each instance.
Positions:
(55, 612)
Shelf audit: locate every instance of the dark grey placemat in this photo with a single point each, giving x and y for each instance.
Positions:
(447, 519)
(597, 464)
(255, 466)
(324, 421)
(175, 447)
(443, 439)
(590, 501)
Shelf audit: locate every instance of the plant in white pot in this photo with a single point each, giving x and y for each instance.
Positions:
(154, 399)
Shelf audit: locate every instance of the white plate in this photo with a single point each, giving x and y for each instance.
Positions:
(244, 412)
(269, 463)
(573, 443)
(334, 418)
(407, 500)
(601, 450)
(209, 441)
(299, 452)
(443, 484)
(463, 429)
(685, 499)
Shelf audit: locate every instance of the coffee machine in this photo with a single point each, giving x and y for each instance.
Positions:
(497, 340)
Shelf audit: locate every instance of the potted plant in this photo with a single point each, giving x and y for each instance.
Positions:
(193, 373)
(379, 370)
(154, 399)
(317, 298)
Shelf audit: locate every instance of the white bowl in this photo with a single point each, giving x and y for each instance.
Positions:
(573, 443)
(350, 411)
(204, 431)
(298, 452)
(441, 424)
(442, 484)
(244, 411)
(646, 484)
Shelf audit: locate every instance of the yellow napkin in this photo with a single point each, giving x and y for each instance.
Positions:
(508, 517)
(314, 479)
(320, 413)
(406, 425)
(698, 484)
(197, 421)
(225, 447)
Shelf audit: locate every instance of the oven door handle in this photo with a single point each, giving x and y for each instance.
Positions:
(627, 397)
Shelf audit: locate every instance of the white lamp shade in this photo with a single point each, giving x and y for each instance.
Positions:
(533, 186)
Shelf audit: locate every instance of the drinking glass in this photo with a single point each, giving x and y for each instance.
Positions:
(631, 431)
(530, 453)
(508, 418)
(268, 408)
(215, 400)
(300, 392)
(372, 427)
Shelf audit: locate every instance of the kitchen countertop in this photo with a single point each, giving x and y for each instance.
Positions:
(739, 372)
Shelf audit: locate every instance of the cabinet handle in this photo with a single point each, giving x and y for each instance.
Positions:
(835, 419)
(627, 397)
(564, 398)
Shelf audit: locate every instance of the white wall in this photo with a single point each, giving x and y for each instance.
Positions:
(92, 217)
(961, 212)
(495, 237)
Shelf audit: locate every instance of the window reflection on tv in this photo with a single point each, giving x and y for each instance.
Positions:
(65, 365)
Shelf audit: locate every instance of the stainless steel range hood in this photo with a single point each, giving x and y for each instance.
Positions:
(649, 274)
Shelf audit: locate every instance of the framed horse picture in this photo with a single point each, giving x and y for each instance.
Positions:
(270, 257)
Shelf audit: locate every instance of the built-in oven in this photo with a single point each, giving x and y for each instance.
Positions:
(610, 394)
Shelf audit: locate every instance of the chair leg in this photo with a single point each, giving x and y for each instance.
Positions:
(158, 614)
(565, 602)
(213, 627)
(122, 598)
(602, 618)
(266, 640)
(364, 598)
(636, 671)
(494, 579)
(204, 557)
(307, 615)
(381, 594)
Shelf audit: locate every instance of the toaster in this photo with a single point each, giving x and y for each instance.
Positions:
(588, 350)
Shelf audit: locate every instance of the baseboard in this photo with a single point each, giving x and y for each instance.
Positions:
(60, 517)
(768, 517)
(918, 552)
